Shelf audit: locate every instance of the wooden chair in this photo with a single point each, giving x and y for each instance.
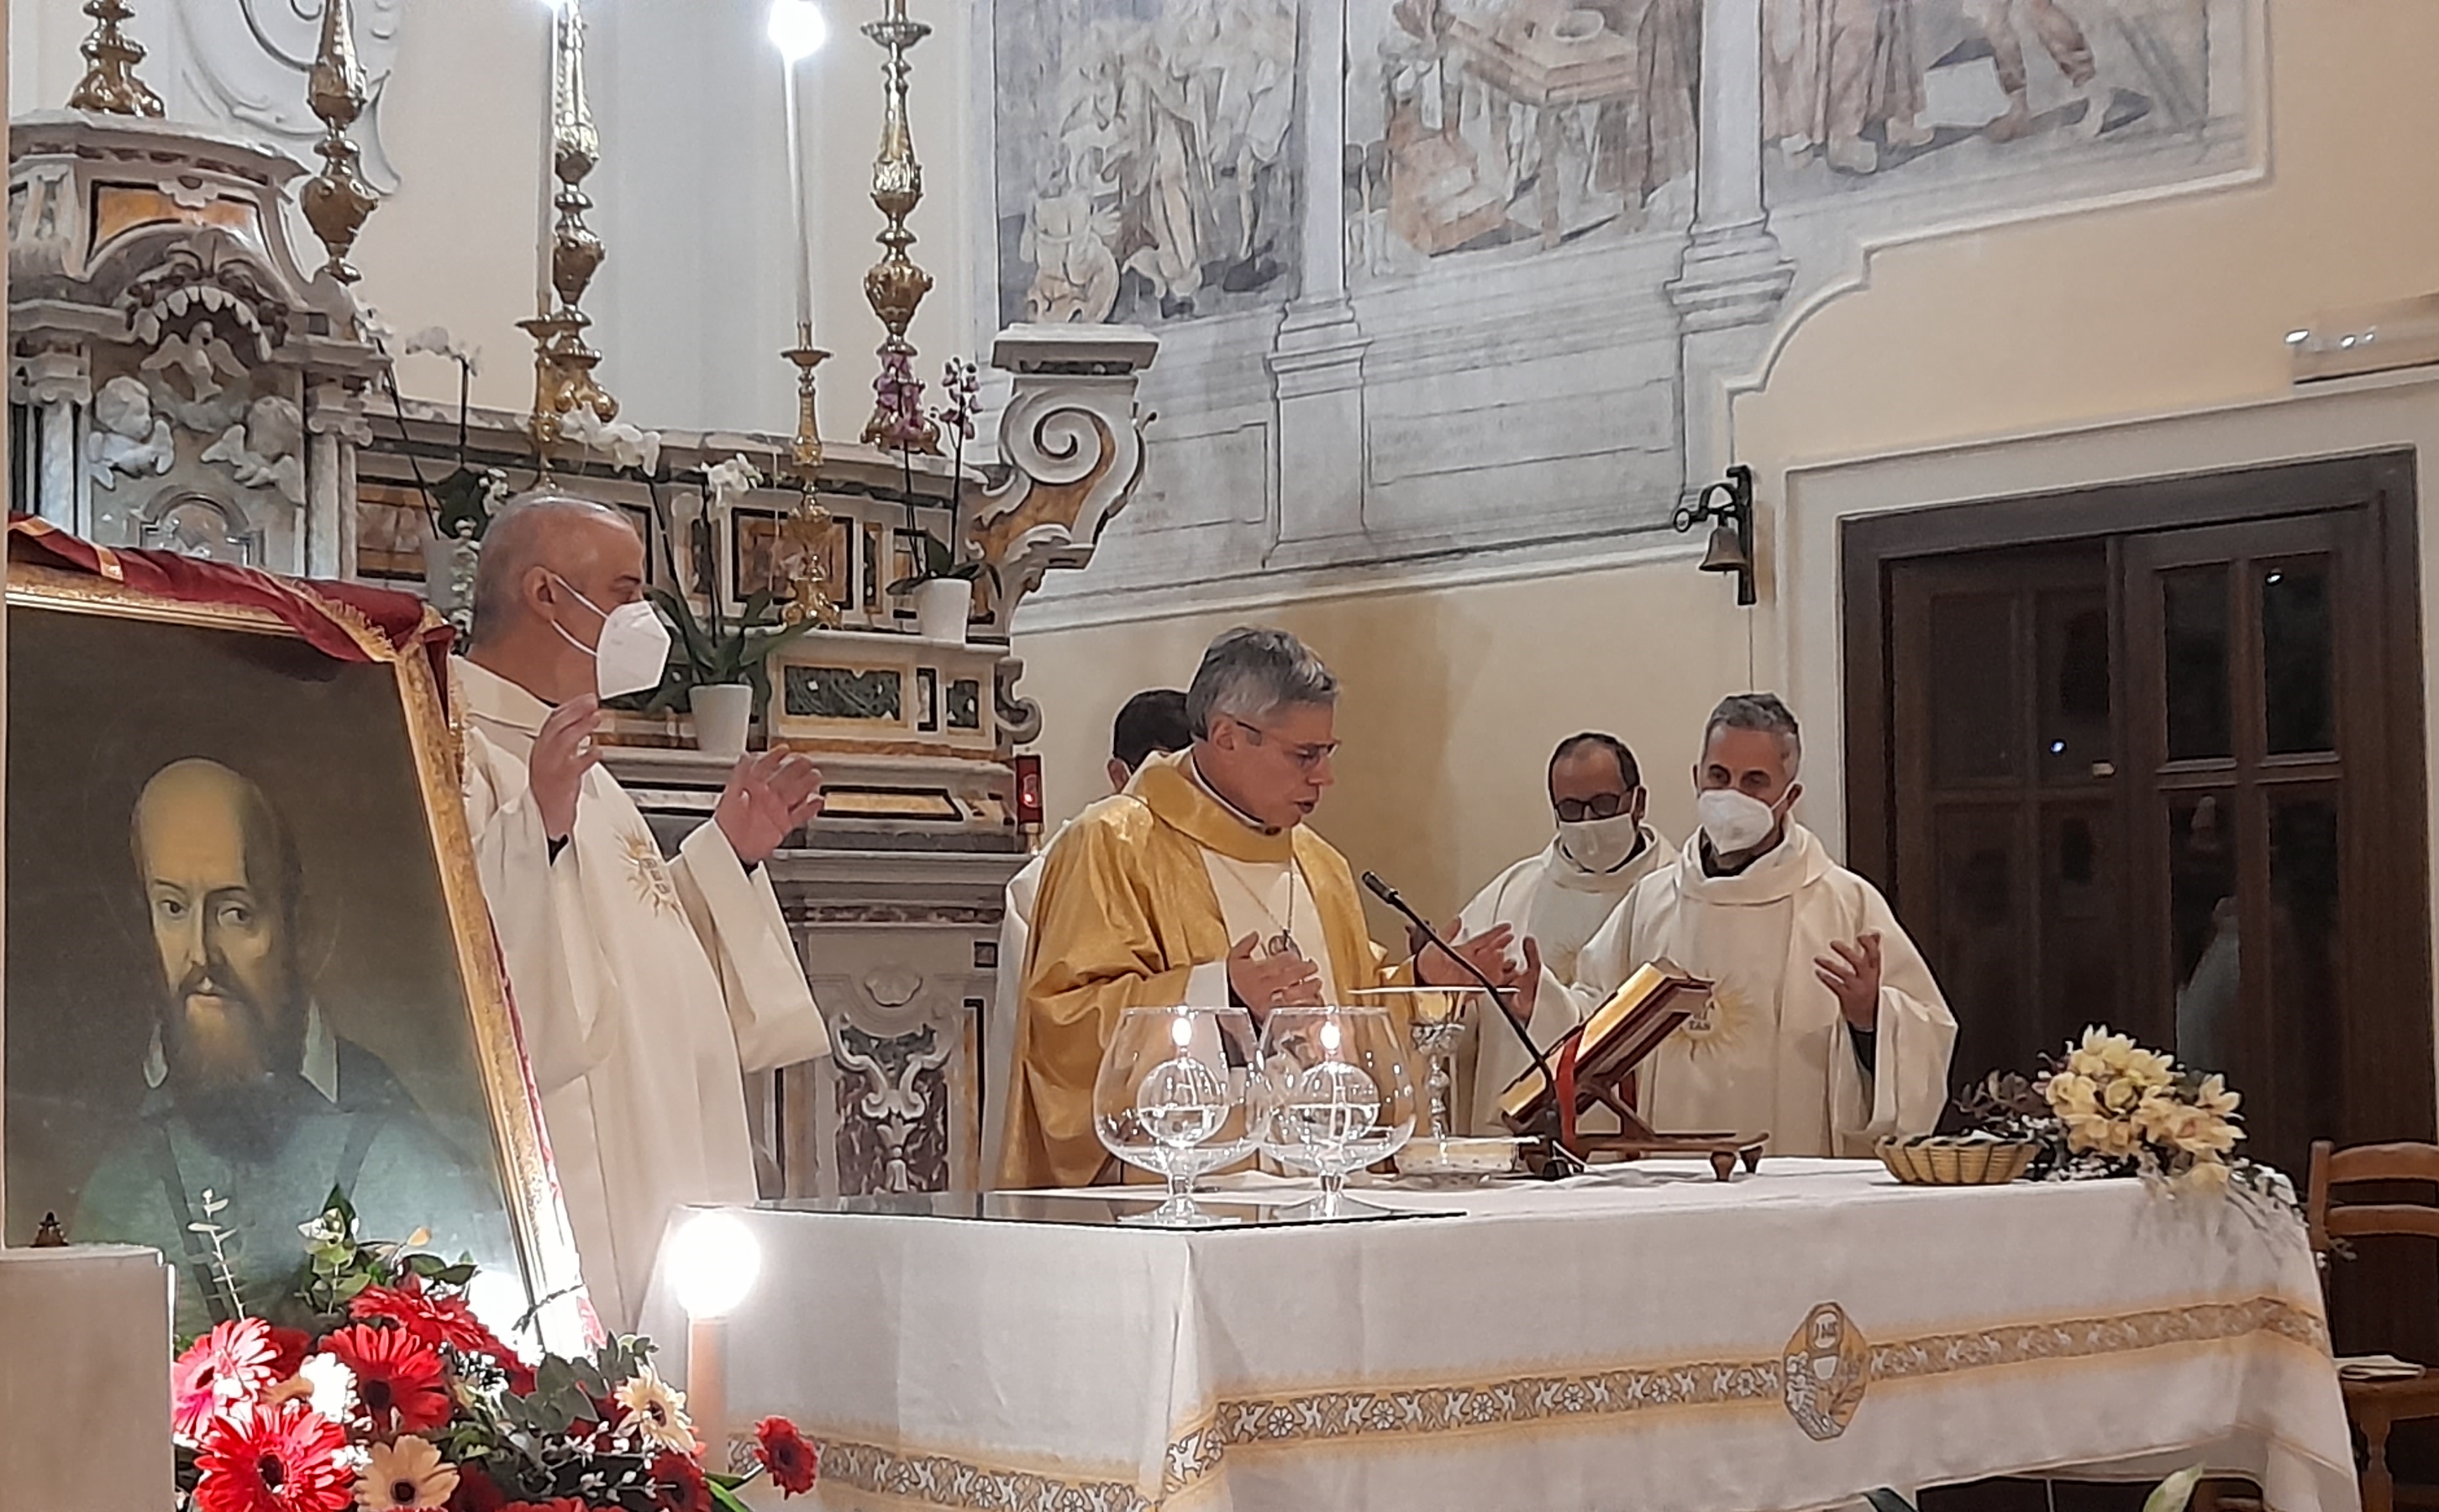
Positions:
(2377, 1406)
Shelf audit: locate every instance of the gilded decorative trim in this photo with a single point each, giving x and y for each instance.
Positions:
(1513, 1402)
(537, 1221)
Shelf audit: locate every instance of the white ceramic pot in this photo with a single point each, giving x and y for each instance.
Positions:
(941, 608)
(721, 712)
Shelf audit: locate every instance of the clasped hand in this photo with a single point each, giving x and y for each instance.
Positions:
(1261, 983)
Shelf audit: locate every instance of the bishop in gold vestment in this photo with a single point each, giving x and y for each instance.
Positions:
(1200, 885)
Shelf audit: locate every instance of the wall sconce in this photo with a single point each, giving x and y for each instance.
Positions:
(1731, 538)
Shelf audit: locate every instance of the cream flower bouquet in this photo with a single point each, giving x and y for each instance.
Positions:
(2111, 1108)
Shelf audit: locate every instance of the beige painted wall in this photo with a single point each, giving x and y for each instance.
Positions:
(1452, 702)
(1455, 693)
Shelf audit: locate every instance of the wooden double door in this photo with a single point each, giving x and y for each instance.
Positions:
(2152, 756)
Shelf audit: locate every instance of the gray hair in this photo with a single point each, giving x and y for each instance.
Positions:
(1758, 711)
(517, 539)
(1247, 672)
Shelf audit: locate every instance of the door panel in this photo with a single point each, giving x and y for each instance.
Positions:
(2252, 747)
(2192, 806)
(2008, 865)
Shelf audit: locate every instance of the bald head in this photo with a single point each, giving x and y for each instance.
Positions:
(221, 887)
(552, 568)
(574, 538)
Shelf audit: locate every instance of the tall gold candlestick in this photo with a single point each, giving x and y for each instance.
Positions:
(562, 362)
(805, 534)
(895, 285)
(337, 200)
(109, 84)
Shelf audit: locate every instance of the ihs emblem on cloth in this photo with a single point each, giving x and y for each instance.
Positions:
(1726, 1020)
(650, 875)
(1825, 1368)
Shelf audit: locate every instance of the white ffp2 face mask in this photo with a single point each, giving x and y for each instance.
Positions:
(1600, 845)
(633, 650)
(1734, 822)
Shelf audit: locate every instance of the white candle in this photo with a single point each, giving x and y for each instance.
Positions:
(797, 203)
(549, 153)
(797, 30)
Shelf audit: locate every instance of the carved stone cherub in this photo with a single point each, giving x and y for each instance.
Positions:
(264, 451)
(126, 436)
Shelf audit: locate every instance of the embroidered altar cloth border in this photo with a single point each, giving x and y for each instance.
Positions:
(1651, 1339)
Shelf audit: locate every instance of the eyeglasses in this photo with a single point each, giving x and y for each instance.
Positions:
(1306, 758)
(1599, 805)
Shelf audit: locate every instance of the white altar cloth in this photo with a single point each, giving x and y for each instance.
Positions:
(1673, 1344)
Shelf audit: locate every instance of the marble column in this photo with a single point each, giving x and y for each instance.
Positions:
(1733, 274)
(1317, 361)
(57, 380)
(336, 426)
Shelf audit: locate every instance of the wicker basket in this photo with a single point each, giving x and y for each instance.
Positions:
(1938, 1162)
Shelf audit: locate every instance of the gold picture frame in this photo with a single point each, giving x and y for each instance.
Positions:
(73, 636)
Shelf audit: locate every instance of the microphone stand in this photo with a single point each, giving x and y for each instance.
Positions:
(1545, 1126)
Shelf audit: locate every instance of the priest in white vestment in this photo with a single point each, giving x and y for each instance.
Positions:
(1824, 1029)
(645, 987)
(1152, 721)
(1559, 895)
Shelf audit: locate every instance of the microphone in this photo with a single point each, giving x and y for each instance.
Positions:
(1549, 1080)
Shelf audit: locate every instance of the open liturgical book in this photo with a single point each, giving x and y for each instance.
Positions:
(1594, 1061)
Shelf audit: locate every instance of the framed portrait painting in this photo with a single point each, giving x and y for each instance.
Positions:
(248, 960)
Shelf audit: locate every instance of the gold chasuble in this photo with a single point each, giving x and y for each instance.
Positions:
(1128, 909)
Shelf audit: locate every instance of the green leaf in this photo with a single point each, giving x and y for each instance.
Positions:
(454, 1275)
(1885, 1499)
(2172, 1494)
(726, 1500)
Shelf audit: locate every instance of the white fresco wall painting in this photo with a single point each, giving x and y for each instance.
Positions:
(1465, 278)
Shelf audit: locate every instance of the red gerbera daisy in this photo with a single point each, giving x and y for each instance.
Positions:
(793, 1463)
(235, 1362)
(564, 1504)
(683, 1487)
(274, 1457)
(289, 1348)
(476, 1491)
(432, 1317)
(398, 1377)
(437, 1319)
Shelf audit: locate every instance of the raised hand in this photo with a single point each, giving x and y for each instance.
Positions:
(767, 798)
(563, 752)
(1488, 951)
(1852, 972)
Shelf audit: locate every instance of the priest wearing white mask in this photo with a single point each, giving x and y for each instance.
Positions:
(1825, 1027)
(645, 987)
(1562, 893)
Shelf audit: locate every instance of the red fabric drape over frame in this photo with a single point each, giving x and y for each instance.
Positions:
(342, 621)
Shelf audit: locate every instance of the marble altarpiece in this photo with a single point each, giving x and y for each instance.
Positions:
(180, 381)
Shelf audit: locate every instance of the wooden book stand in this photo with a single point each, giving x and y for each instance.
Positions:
(1595, 1065)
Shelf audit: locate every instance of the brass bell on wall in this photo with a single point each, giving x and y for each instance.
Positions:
(1730, 504)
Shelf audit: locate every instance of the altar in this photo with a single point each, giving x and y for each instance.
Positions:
(1647, 1339)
